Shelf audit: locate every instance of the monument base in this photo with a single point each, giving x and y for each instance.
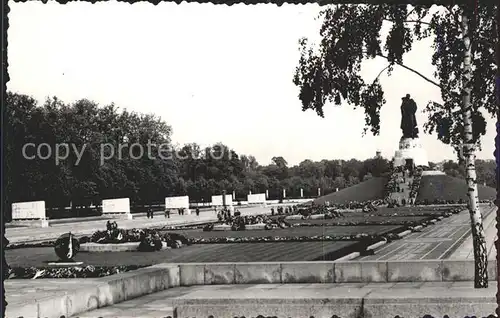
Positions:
(31, 223)
(433, 173)
(126, 216)
(64, 264)
(410, 148)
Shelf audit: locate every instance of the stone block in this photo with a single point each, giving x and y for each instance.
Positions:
(31, 223)
(278, 309)
(361, 272)
(458, 270)
(84, 300)
(463, 270)
(309, 273)
(98, 293)
(136, 283)
(374, 272)
(492, 270)
(260, 226)
(22, 310)
(219, 274)
(257, 273)
(317, 217)
(172, 272)
(192, 274)
(348, 272)
(414, 271)
(122, 247)
(436, 301)
(52, 306)
(434, 309)
(222, 227)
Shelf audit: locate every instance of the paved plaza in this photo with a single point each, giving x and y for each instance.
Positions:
(448, 239)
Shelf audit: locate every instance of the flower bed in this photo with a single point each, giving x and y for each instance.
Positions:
(315, 238)
(240, 223)
(30, 245)
(438, 201)
(417, 178)
(68, 272)
(363, 223)
(220, 240)
(353, 205)
(148, 239)
(391, 185)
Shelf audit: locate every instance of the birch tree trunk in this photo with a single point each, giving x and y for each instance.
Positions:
(478, 239)
(497, 157)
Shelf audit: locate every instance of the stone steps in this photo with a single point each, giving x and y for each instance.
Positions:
(305, 300)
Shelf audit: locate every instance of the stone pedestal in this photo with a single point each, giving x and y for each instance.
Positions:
(410, 148)
(31, 223)
(122, 216)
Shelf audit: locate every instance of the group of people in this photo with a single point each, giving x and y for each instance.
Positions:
(406, 170)
(181, 211)
(286, 210)
(113, 231)
(224, 215)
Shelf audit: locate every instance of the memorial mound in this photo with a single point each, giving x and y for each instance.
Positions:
(370, 190)
(440, 189)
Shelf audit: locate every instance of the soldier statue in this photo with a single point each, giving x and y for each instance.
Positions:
(408, 119)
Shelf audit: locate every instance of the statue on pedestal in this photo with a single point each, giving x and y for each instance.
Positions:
(408, 119)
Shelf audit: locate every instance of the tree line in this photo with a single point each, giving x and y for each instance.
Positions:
(82, 177)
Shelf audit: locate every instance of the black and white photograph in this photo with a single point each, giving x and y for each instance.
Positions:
(266, 160)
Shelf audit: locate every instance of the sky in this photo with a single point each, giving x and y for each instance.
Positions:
(214, 73)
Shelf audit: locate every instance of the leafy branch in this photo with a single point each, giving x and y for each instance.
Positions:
(352, 34)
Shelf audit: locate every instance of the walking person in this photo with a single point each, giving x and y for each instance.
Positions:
(167, 213)
(148, 212)
(197, 211)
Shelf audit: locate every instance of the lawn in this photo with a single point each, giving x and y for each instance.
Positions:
(293, 232)
(372, 189)
(210, 253)
(376, 219)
